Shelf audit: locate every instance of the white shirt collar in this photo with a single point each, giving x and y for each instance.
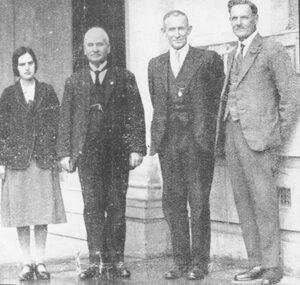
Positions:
(247, 42)
(101, 66)
(183, 52)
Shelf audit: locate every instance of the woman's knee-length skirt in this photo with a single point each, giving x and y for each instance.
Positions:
(31, 197)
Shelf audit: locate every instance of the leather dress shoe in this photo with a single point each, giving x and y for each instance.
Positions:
(121, 270)
(272, 276)
(90, 272)
(176, 272)
(196, 273)
(27, 273)
(252, 274)
(41, 272)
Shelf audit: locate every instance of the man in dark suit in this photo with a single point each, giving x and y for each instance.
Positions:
(185, 85)
(102, 132)
(259, 105)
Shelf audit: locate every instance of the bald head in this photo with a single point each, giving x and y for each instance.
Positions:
(96, 45)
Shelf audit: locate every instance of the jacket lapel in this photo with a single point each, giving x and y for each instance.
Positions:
(20, 96)
(228, 70)
(85, 87)
(164, 73)
(39, 94)
(190, 66)
(253, 51)
(109, 83)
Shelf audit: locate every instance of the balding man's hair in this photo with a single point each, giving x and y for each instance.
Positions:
(252, 6)
(174, 13)
(106, 37)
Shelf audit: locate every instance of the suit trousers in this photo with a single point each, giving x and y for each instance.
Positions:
(187, 173)
(102, 182)
(252, 176)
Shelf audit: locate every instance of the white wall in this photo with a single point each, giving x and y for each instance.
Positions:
(144, 40)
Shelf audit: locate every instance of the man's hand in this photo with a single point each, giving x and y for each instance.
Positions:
(135, 159)
(66, 164)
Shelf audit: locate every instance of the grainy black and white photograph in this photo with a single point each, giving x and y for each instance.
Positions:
(150, 142)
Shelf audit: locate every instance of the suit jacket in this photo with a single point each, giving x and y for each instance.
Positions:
(28, 133)
(267, 94)
(204, 75)
(123, 111)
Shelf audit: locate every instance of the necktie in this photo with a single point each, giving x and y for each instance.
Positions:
(240, 56)
(177, 64)
(97, 81)
(98, 92)
(239, 60)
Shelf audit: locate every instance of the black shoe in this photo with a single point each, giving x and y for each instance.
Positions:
(272, 276)
(176, 272)
(252, 274)
(41, 272)
(121, 270)
(27, 273)
(90, 272)
(196, 273)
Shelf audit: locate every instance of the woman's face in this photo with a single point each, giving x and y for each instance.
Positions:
(26, 66)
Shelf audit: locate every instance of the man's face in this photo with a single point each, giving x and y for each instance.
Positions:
(96, 46)
(26, 66)
(242, 20)
(177, 29)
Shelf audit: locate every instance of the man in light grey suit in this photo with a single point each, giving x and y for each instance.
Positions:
(259, 105)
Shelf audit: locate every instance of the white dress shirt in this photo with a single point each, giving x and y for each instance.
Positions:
(28, 91)
(102, 74)
(247, 42)
(173, 58)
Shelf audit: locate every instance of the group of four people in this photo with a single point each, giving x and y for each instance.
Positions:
(101, 132)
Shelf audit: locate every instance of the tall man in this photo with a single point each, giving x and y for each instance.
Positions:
(185, 85)
(102, 133)
(259, 106)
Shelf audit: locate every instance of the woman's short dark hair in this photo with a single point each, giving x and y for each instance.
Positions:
(18, 53)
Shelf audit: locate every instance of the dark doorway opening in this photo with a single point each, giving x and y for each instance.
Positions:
(109, 14)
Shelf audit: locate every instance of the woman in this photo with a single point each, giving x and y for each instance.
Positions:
(31, 195)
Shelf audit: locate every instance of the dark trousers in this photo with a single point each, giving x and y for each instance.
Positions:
(104, 196)
(256, 197)
(187, 173)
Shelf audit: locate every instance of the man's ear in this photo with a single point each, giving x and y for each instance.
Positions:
(163, 30)
(190, 29)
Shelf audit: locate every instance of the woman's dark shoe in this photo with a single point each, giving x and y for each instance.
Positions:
(27, 273)
(41, 272)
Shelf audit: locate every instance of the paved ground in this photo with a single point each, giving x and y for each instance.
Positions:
(64, 240)
(143, 272)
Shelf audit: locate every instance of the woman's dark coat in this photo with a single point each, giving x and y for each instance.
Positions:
(28, 132)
